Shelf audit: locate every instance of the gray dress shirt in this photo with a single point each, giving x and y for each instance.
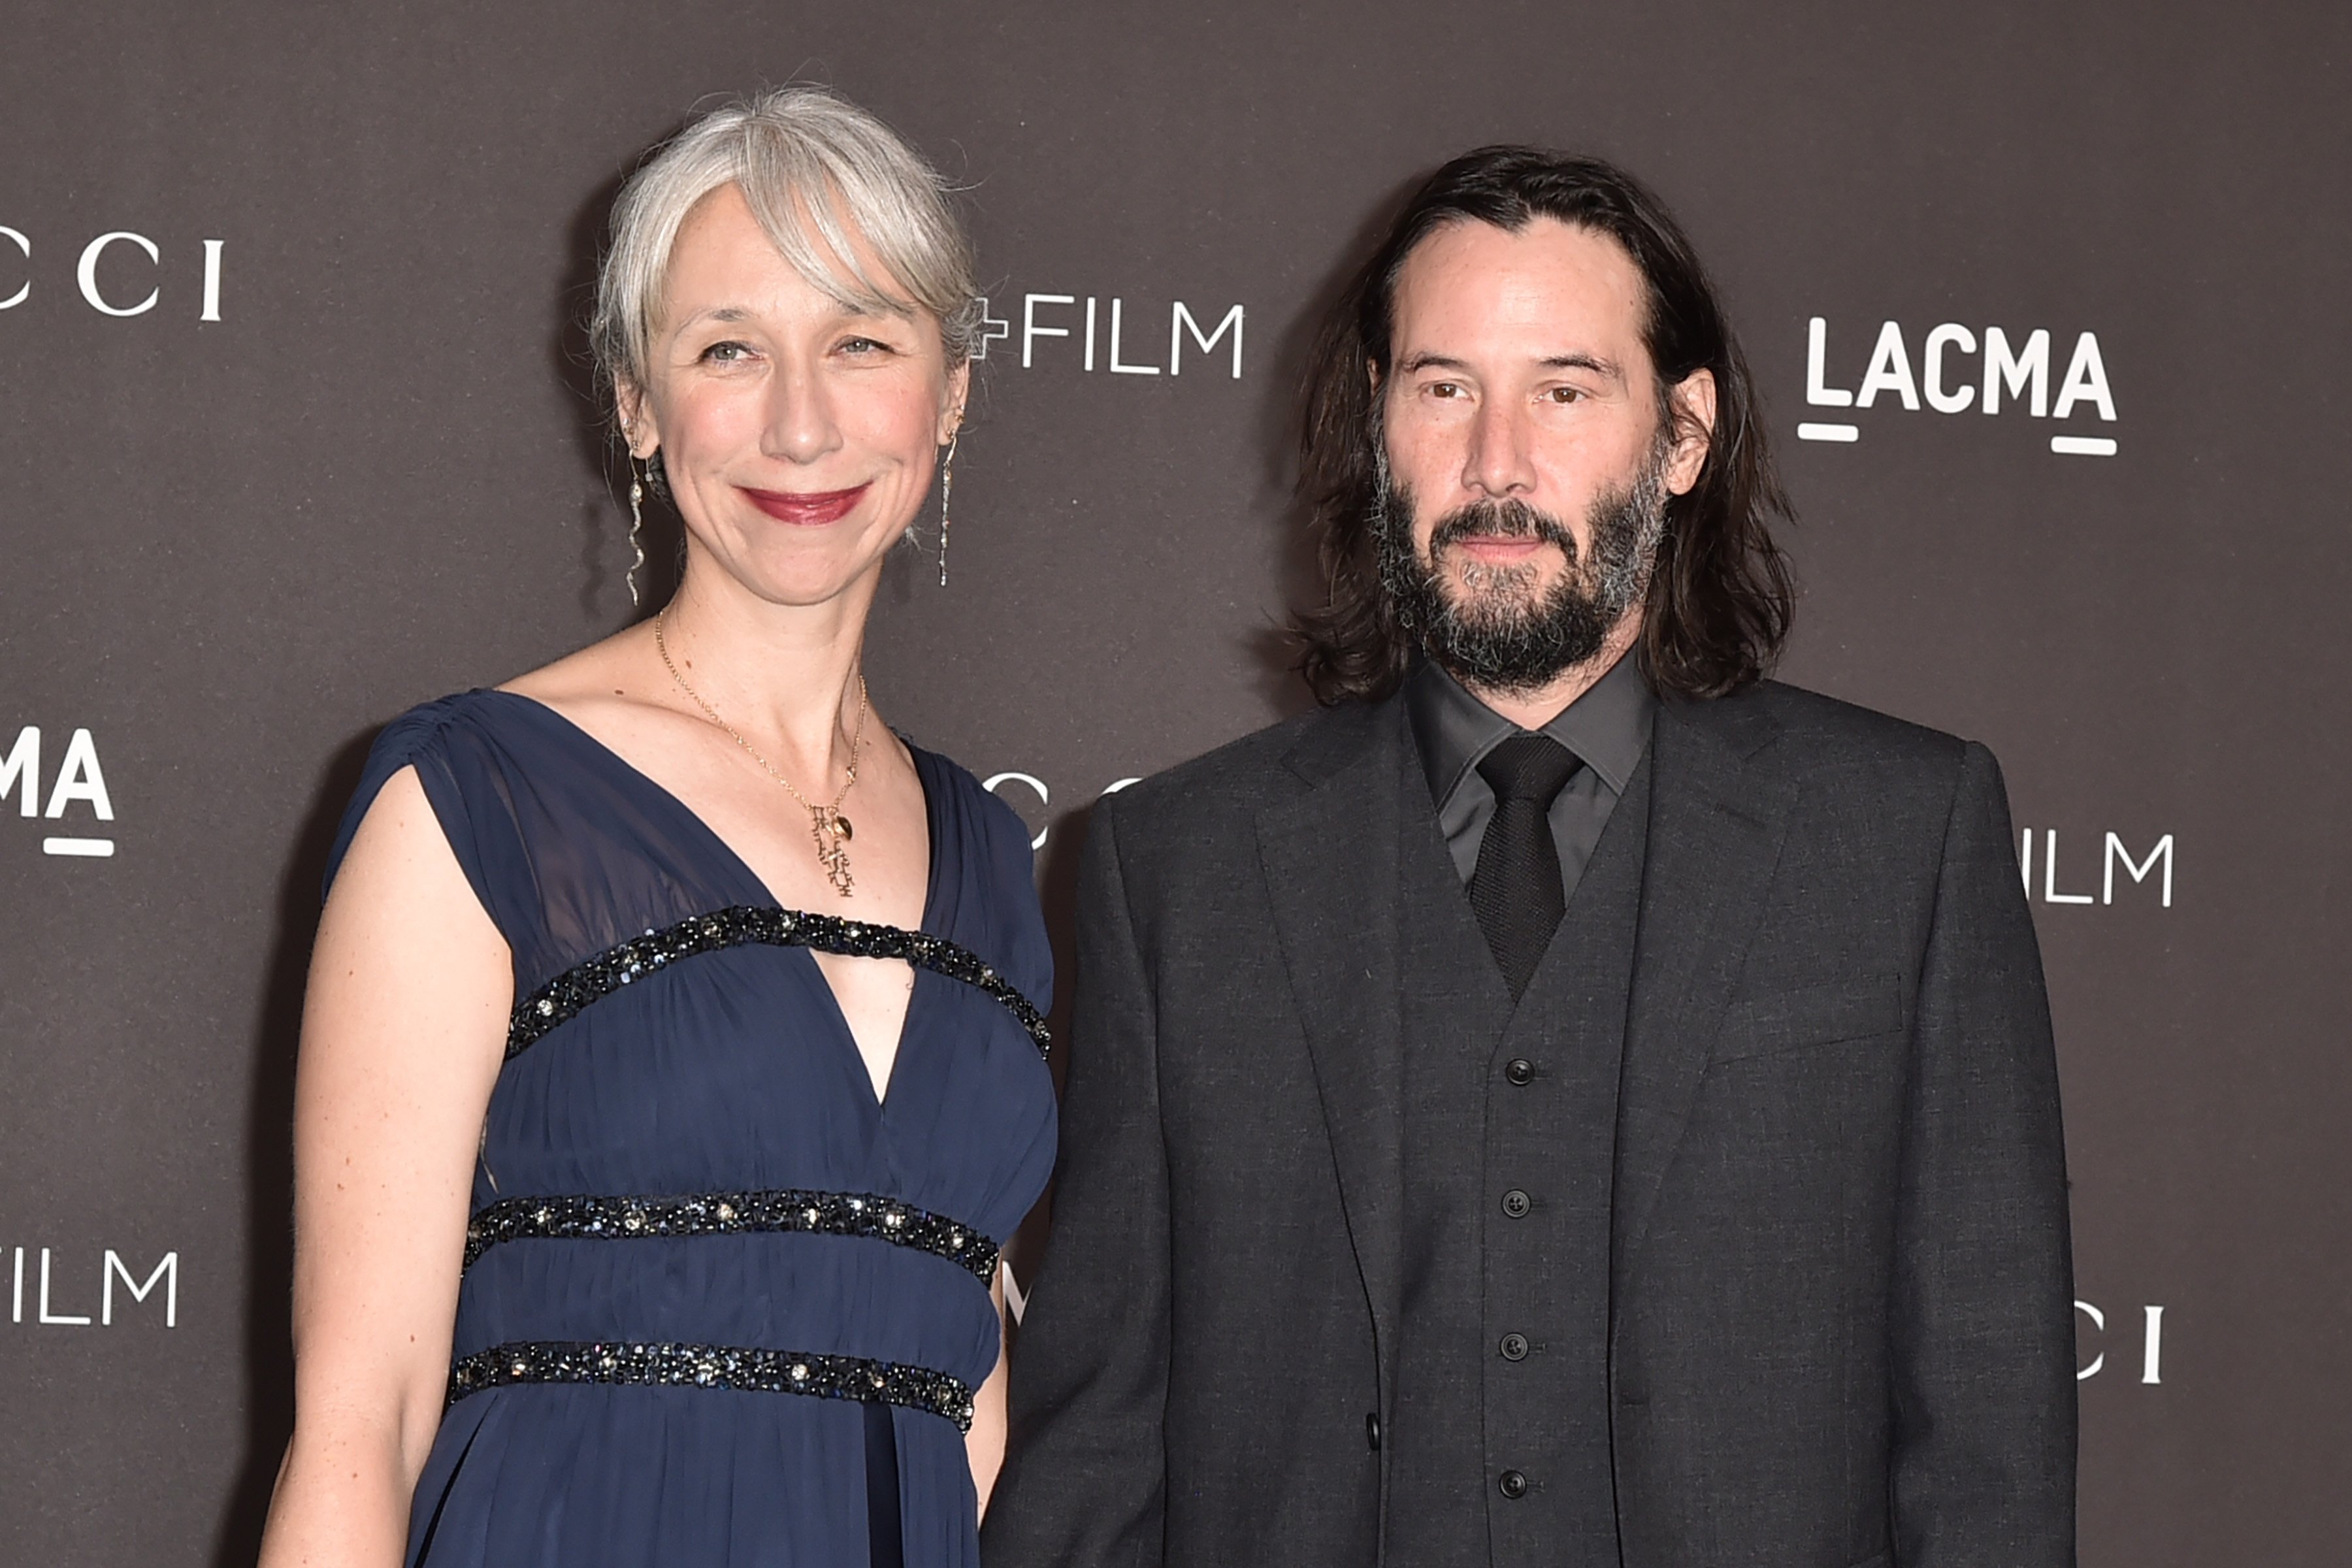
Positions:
(1608, 726)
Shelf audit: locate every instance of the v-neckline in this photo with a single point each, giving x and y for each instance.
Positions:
(741, 869)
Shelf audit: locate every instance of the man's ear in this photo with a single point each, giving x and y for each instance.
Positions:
(1690, 406)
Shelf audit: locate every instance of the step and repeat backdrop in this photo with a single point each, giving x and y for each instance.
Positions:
(2050, 308)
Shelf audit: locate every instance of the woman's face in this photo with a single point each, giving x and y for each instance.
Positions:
(798, 435)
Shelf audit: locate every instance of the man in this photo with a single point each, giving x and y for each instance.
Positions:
(1569, 1100)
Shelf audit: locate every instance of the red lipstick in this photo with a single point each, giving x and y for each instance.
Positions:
(806, 508)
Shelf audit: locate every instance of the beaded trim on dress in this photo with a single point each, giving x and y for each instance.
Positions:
(724, 1214)
(714, 1366)
(571, 992)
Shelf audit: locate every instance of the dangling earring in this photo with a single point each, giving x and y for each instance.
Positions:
(637, 531)
(947, 486)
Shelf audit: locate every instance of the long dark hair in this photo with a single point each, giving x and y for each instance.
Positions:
(1719, 602)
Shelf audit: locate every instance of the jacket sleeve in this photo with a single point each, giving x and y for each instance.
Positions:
(1983, 1351)
(1085, 1474)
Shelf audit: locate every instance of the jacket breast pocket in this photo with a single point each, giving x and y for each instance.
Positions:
(1809, 1016)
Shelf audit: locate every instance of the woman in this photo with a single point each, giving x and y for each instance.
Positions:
(656, 1132)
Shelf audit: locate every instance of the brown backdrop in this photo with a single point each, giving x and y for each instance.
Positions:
(346, 461)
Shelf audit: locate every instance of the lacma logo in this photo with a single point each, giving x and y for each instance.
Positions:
(131, 284)
(2011, 373)
(78, 780)
(1108, 336)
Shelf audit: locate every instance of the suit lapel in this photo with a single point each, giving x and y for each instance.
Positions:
(1718, 811)
(1330, 859)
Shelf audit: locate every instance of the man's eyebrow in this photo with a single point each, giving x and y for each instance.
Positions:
(1609, 368)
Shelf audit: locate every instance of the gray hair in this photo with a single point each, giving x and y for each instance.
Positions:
(814, 169)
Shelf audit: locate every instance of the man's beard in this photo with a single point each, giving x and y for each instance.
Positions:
(1497, 631)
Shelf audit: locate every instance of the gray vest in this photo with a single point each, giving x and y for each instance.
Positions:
(1500, 1427)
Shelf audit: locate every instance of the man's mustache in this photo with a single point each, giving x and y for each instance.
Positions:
(1500, 519)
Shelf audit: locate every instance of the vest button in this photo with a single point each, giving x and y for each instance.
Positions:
(1372, 1432)
(1521, 1071)
(1516, 1204)
(1515, 1347)
(1512, 1485)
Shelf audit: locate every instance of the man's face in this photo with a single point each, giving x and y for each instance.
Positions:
(1527, 465)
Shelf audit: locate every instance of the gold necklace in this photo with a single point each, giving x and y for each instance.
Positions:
(827, 825)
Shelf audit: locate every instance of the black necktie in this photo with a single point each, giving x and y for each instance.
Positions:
(1516, 889)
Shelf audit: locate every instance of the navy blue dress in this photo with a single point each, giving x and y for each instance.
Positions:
(721, 1305)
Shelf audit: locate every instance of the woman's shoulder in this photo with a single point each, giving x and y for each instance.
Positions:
(429, 738)
(996, 824)
(420, 727)
(529, 702)
(465, 737)
(583, 675)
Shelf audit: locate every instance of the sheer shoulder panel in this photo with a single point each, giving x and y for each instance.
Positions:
(571, 849)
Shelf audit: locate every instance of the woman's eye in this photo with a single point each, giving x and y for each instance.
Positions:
(728, 353)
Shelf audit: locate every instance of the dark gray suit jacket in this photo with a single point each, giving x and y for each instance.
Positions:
(1841, 1324)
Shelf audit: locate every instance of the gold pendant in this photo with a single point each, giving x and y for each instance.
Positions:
(832, 832)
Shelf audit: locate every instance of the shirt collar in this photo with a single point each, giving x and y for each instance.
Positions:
(1608, 726)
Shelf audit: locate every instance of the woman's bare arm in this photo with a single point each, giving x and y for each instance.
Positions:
(984, 1443)
(402, 1034)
